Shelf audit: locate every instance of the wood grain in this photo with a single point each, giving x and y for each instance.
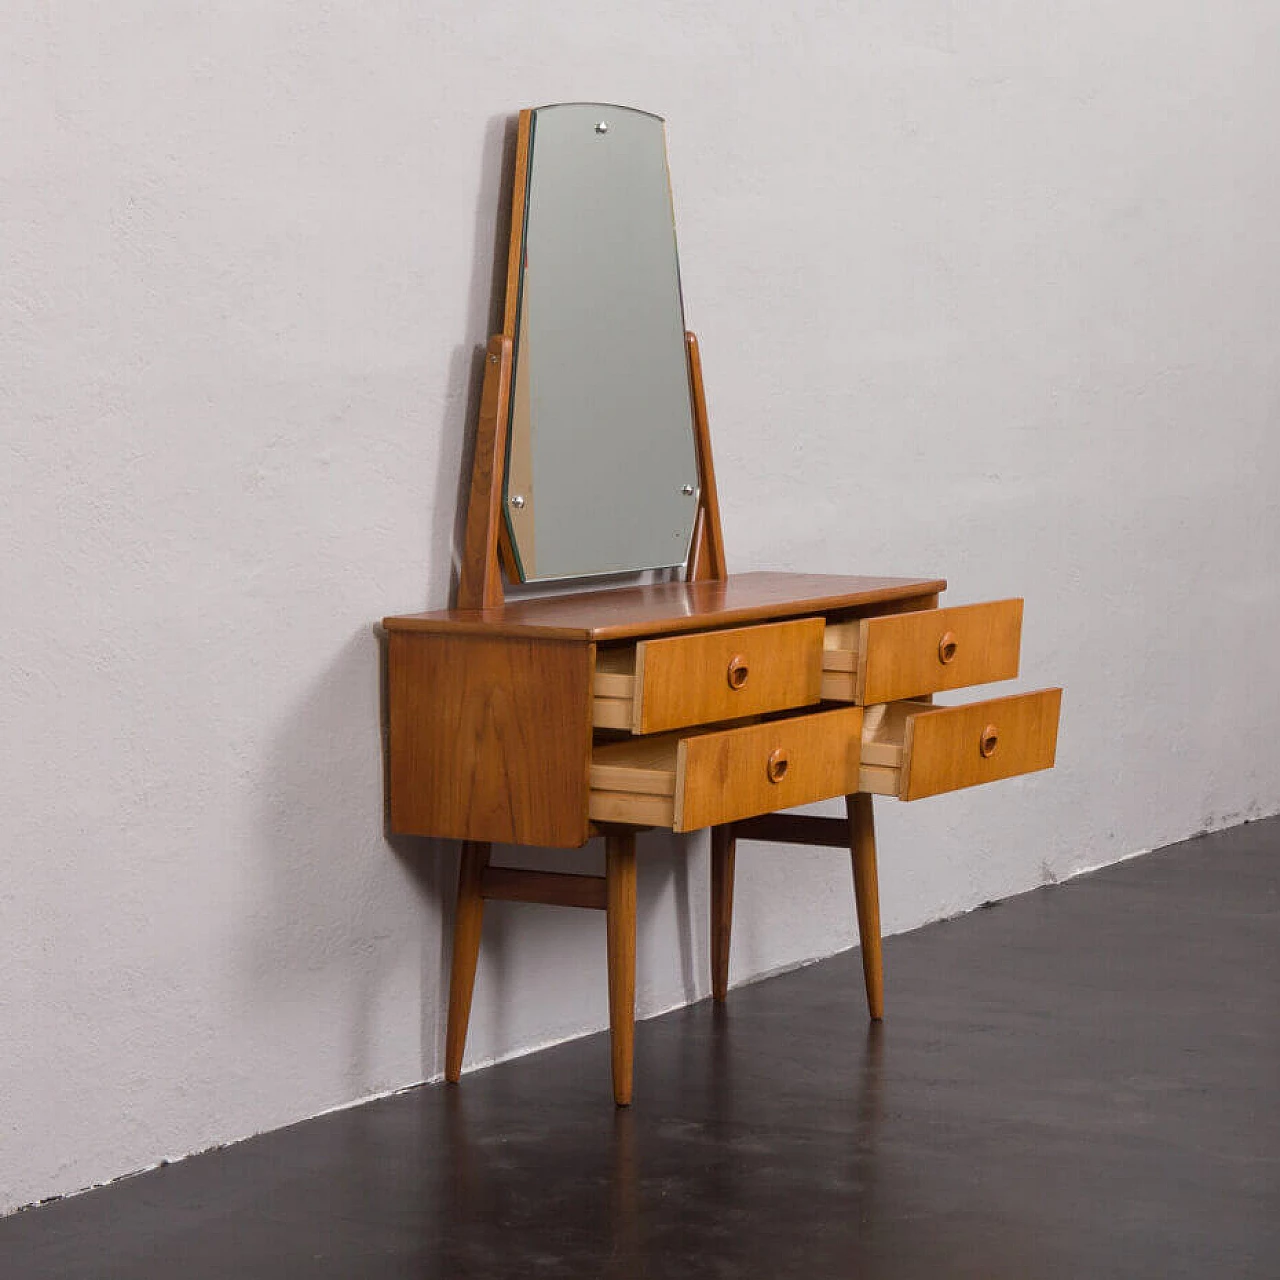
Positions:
(479, 575)
(636, 764)
(674, 607)
(620, 881)
(723, 849)
(612, 713)
(942, 747)
(706, 560)
(841, 642)
(688, 781)
(515, 246)
(866, 892)
(633, 809)
(723, 776)
(467, 921)
(640, 779)
(490, 738)
(552, 888)
(899, 655)
(877, 780)
(685, 680)
(519, 525)
(696, 569)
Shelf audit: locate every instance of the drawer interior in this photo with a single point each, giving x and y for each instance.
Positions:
(884, 733)
(634, 780)
(613, 688)
(840, 652)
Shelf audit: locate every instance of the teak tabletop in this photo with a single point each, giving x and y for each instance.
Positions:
(624, 612)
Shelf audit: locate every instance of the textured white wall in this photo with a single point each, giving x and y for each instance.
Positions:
(987, 290)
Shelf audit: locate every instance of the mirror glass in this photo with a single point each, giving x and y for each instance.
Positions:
(601, 469)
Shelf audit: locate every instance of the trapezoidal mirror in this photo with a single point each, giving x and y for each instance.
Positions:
(601, 468)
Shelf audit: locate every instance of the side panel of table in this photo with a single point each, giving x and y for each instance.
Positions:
(490, 737)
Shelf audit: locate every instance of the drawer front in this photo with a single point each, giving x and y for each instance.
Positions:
(725, 675)
(955, 747)
(696, 780)
(906, 655)
(739, 773)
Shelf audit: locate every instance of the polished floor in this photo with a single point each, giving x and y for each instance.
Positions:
(1081, 1082)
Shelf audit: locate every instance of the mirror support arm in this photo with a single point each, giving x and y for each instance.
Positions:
(480, 576)
(706, 554)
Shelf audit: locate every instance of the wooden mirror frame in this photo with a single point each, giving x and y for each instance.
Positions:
(486, 550)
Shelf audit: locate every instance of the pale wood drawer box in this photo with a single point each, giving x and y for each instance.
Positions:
(676, 681)
(915, 749)
(684, 782)
(907, 655)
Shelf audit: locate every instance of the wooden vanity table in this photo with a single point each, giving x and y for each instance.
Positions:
(715, 701)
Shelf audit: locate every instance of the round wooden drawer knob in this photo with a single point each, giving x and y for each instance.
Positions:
(777, 766)
(947, 647)
(989, 742)
(738, 671)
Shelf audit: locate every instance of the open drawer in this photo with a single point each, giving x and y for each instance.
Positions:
(914, 749)
(676, 681)
(906, 655)
(684, 782)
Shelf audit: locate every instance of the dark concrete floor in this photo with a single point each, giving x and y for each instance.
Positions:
(1082, 1082)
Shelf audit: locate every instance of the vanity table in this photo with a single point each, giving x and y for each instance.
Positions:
(706, 699)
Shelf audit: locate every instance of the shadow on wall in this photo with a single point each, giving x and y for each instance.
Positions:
(324, 920)
(465, 373)
(330, 926)
(565, 948)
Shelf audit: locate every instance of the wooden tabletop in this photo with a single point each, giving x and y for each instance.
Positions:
(625, 612)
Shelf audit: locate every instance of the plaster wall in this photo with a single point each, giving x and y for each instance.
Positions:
(987, 290)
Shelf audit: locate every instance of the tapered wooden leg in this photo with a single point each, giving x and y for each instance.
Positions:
(866, 891)
(723, 846)
(466, 951)
(620, 890)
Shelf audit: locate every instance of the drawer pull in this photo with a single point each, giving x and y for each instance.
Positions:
(738, 671)
(989, 741)
(947, 647)
(777, 766)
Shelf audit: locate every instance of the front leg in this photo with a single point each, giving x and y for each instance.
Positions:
(467, 921)
(866, 891)
(620, 893)
(723, 847)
